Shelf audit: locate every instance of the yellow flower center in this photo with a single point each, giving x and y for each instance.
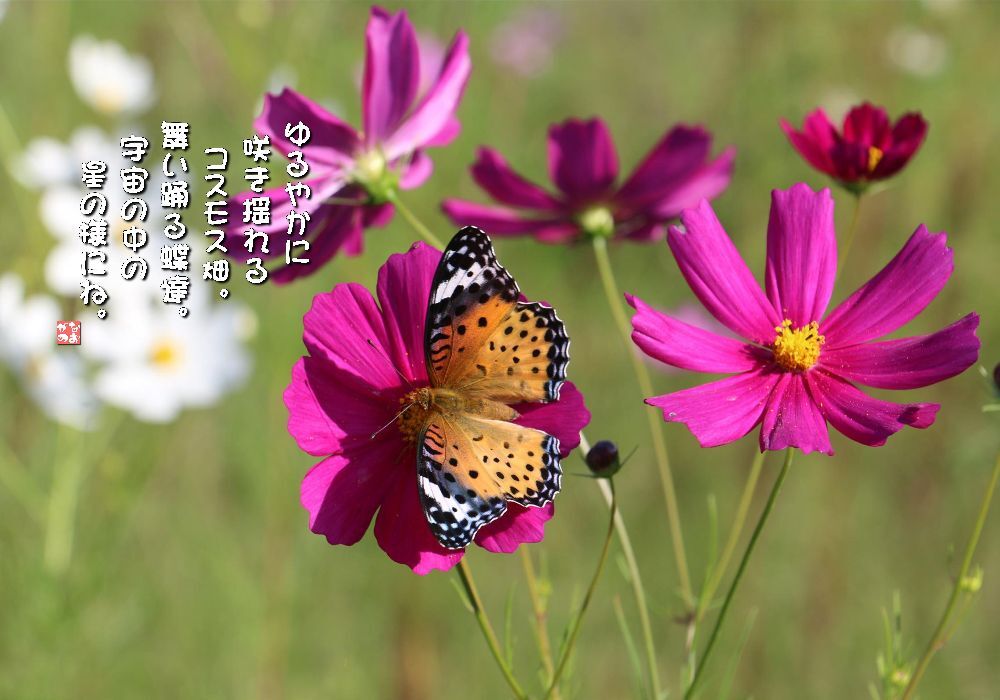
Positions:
(165, 354)
(797, 349)
(874, 157)
(370, 166)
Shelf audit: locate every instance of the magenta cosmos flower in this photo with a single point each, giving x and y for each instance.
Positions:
(867, 148)
(583, 164)
(795, 368)
(358, 169)
(347, 388)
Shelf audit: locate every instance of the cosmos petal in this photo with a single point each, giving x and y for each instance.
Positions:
(718, 276)
(500, 221)
(392, 73)
(502, 183)
(403, 533)
(404, 286)
(792, 418)
(582, 159)
(909, 363)
(723, 411)
(893, 297)
(519, 525)
(562, 419)
(864, 418)
(332, 142)
(682, 345)
(342, 492)
(801, 253)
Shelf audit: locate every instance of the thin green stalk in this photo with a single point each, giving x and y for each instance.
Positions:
(719, 570)
(538, 608)
(61, 521)
(699, 672)
(578, 619)
(614, 297)
(637, 588)
(852, 231)
(940, 636)
(417, 225)
(484, 624)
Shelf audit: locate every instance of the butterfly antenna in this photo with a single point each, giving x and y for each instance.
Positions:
(395, 369)
(394, 419)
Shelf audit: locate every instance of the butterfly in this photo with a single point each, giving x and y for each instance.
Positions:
(485, 350)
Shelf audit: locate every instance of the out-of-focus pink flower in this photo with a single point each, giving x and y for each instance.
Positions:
(868, 147)
(583, 165)
(347, 389)
(797, 368)
(526, 42)
(351, 172)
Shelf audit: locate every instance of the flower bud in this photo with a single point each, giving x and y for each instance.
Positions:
(603, 459)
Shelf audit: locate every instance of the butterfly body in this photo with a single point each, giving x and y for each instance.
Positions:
(485, 351)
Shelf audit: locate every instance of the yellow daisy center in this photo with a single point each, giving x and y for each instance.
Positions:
(797, 349)
(165, 354)
(874, 157)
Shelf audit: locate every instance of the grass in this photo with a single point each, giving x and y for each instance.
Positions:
(193, 573)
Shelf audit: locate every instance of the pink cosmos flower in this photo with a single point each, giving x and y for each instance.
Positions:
(676, 174)
(867, 148)
(357, 169)
(347, 388)
(797, 369)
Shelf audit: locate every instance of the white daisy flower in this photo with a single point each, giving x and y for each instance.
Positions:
(108, 78)
(154, 363)
(52, 376)
(47, 162)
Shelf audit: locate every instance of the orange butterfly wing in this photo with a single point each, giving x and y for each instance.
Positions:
(469, 467)
(483, 343)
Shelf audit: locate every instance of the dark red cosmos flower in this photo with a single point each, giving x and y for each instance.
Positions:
(868, 147)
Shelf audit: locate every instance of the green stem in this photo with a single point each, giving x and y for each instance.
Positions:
(484, 624)
(852, 231)
(719, 570)
(538, 608)
(417, 225)
(614, 298)
(699, 672)
(940, 636)
(637, 588)
(578, 619)
(61, 521)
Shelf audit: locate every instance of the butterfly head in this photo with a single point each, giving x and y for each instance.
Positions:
(413, 414)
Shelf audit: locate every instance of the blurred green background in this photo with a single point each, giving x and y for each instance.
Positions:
(193, 572)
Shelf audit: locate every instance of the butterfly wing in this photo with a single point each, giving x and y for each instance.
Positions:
(481, 338)
(469, 467)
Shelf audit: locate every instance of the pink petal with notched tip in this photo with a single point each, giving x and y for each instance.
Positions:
(801, 253)
(718, 276)
(433, 119)
(863, 418)
(342, 492)
(562, 419)
(682, 345)
(500, 221)
(333, 143)
(792, 418)
(402, 530)
(893, 297)
(519, 525)
(502, 183)
(341, 327)
(908, 363)
(404, 287)
(325, 410)
(582, 159)
(392, 73)
(720, 412)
